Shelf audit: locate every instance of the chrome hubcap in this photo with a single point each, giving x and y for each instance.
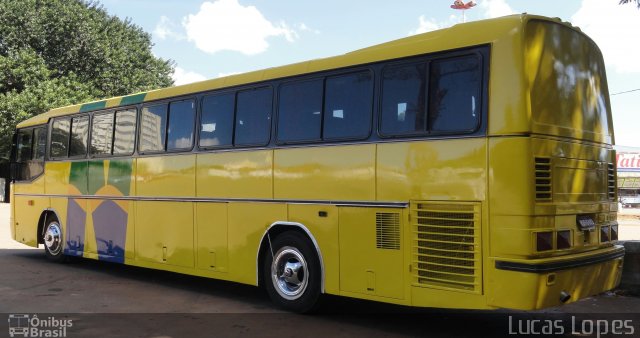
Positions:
(289, 273)
(53, 238)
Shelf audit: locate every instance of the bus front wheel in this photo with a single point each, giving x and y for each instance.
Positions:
(292, 272)
(53, 241)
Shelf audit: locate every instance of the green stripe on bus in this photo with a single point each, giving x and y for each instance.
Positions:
(132, 99)
(93, 106)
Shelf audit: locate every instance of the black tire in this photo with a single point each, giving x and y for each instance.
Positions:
(294, 251)
(53, 239)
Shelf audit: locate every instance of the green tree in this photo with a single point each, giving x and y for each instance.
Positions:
(60, 52)
(622, 2)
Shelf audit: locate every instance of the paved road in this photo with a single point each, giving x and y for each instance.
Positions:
(110, 300)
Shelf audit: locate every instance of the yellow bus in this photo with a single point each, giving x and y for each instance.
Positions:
(470, 167)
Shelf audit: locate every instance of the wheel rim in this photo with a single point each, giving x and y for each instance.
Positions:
(289, 273)
(53, 238)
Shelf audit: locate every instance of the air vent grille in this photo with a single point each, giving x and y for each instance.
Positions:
(388, 230)
(543, 179)
(611, 181)
(446, 245)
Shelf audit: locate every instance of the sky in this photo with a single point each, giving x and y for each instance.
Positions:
(214, 38)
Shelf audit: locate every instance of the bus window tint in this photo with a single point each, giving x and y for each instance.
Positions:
(253, 117)
(79, 136)
(216, 122)
(455, 89)
(153, 129)
(182, 115)
(24, 145)
(348, 104)
(299, 112)
(125, 133)
(60, 138)
(102, 134)
(403, 100)
(39, 143)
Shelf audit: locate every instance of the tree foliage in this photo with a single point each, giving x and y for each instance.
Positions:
(622, 2)
(60, 52)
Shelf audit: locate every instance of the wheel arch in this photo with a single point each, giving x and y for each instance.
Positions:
(272, 232)
(42, 221)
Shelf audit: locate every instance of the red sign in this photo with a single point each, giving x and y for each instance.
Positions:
(628, 161)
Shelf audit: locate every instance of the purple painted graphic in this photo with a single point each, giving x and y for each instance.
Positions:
(76, 221)
(110, 224)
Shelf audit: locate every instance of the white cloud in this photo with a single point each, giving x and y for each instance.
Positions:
(304, 28)
(426, 25)
(181, 76)
(165, 28)
(496, 8)
(227, 25)
(616, 30)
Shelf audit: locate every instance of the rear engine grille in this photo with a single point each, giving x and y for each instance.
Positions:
(446, 245)
(543, 179)
(611, 181)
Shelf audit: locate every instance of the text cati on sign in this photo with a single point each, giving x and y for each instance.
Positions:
(628, 161)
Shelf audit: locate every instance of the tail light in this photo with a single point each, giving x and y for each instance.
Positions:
(604, 234)
(544, 241)
(614, 231)
(563, 239)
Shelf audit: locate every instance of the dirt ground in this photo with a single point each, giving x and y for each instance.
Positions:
(629, 220)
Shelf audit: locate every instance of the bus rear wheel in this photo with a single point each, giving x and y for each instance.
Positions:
(53, 241)
(292, 273)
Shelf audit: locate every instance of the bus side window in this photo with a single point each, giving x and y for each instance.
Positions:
(39, 143)
(348, 106)
(25, 139)
(182, 115)
(79, 136)
(253, 117)
(124, 136)
(153, 129)
(60, 138)
(299, 111)
(455, 90)
(216, 122)
(403, 100)
(102, 134)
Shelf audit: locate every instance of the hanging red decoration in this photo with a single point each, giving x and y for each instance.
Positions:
(461, 5)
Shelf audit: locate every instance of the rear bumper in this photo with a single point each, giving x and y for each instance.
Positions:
(536, 284)
(618, 252)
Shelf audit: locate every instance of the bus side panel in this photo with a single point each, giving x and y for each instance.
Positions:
(164, 233)
(247, 223)
(334, 173)
(27, 211)
(371, 252)
(164, 229)
(211, 236)
(110, 231)
(322, 222)
(244, 174)
(453, 170)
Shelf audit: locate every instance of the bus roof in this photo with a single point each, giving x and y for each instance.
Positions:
(457, 36)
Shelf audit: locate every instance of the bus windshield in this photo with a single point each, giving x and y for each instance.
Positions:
(566, 77)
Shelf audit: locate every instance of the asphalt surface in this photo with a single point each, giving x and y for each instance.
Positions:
(110, 300)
